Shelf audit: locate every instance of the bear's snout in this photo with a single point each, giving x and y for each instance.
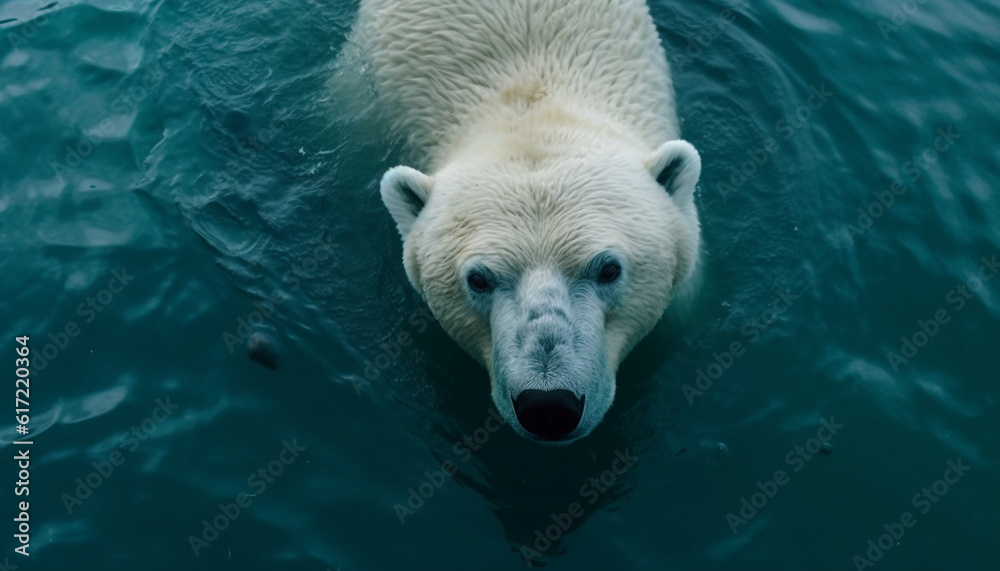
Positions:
(549, 415)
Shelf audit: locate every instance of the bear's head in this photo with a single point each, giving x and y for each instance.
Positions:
(549, 270)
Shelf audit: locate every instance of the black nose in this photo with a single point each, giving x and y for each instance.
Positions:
(550, 415)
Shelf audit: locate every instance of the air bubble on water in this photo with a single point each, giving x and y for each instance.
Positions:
(263, 350)
(717, 450)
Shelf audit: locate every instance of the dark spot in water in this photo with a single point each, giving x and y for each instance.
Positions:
(236, 122)
(262, 349)
(47, 6)
(826, 448)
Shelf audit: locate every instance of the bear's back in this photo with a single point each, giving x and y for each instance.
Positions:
(440, 65)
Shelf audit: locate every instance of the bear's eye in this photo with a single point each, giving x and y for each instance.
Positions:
(609, 273)
(478, 283)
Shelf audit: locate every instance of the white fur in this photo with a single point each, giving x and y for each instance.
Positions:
(542, 126)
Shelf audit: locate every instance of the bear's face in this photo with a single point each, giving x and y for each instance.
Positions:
(549, 272)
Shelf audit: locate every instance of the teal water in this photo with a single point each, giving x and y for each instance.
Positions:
(170, 172)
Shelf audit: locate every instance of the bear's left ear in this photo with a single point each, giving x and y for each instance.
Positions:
(677, 166)
(405, 192)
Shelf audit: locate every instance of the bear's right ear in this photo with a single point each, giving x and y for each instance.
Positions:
(677, 166)
(405, 192)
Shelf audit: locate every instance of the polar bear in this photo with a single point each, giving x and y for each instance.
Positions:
(552, 219)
